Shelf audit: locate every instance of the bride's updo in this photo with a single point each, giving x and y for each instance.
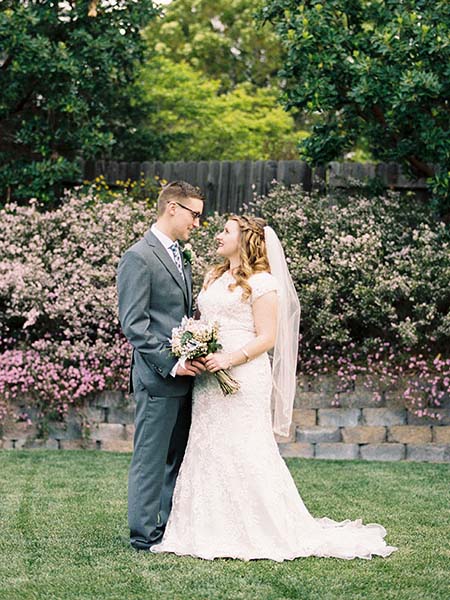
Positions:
(253, 254)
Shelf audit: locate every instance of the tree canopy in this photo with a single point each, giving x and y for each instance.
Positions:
(220, 38)
(210, 76)
(200, 123)
(372, 69)
(66, 69)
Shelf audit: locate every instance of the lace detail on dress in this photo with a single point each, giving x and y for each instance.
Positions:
(234, 495)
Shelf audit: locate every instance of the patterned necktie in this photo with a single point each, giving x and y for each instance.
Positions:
(176, 254)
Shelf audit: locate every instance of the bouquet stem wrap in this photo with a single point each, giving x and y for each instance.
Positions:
(228, 384)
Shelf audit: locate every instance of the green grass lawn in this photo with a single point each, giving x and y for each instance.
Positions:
(63, 535)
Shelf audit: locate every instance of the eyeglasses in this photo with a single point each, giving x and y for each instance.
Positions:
(195, 214)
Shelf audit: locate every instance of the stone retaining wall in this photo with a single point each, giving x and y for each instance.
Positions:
(358, 429)
(366, 433)
(362, 428)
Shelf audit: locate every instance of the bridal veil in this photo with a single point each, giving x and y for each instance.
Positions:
(284, 364)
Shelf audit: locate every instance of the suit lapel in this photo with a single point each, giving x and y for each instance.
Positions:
(162, 254)
(188, 277)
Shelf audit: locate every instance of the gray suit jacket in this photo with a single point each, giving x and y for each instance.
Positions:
(153, 298)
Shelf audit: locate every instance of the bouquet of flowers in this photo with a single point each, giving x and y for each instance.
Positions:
(196, 338)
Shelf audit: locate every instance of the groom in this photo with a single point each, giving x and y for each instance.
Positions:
(155, 293)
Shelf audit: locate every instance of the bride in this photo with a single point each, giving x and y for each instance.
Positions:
(234, 496)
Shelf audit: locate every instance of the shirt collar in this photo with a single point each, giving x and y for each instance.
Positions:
(162, 237)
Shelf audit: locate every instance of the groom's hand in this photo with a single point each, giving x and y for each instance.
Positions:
(191, 368)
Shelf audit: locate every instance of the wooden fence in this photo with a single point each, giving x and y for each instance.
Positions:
(229, 185)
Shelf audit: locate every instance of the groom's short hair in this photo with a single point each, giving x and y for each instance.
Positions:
(177, 191)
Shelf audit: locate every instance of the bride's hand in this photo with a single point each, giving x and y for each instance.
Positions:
(217, 361)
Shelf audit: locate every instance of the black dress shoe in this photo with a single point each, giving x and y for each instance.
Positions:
(141, 548)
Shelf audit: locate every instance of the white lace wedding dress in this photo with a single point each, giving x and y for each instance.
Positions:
(234, 495)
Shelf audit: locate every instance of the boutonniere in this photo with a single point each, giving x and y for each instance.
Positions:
(188, 254)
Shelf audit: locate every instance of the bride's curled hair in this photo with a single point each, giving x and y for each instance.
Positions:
(253, 255)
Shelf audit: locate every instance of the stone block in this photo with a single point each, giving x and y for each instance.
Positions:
(322, 384)
(338, 417)
(441, 434)
(284, 439)
(108, 432)
(129, 432)
(109, 408)
(428, 452)
(384, 451)
(121, 414)
(22, 406)
(37, 444)
(361, 396)
(337, 451)
(445, 400)
(117, 445)
(383, 416)
(318, 434)
(64, 431)
(19, 429)
(312, 400)
(358, 399)
(111, 398)
(307, 383)
(364, 434)
(444, 414)
(19, 444)
(297, 449)
(409, 434)
(77, 444)
(52, 444)
(304, 417)
(94, 414)
(366, 387)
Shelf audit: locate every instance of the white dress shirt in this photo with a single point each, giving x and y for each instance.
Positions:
(165, 240)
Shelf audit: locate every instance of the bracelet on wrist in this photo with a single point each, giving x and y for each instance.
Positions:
(245, 353)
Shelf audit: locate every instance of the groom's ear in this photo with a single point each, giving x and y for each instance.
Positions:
(171, 207)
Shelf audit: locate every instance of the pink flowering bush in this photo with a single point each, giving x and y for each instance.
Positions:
(372, 276)
(60, 336)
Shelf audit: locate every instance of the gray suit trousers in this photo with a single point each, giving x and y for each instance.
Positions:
(161, 434)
